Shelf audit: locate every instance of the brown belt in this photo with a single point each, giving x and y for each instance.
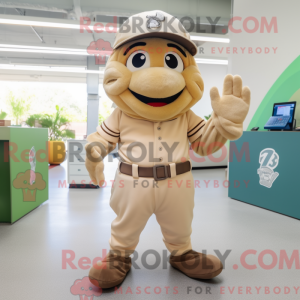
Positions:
(158, 172)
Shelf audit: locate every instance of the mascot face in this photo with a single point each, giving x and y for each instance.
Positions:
(153, 79)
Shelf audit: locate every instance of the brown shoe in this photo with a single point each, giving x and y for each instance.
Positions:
(197, 265)
(110, 272)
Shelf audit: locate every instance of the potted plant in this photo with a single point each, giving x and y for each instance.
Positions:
(18, 106)
(3, 122)
(207, 117)
(3, 115)
(58, 131)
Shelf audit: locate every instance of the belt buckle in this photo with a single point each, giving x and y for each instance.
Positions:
(155, 172)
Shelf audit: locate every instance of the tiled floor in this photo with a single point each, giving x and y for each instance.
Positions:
(77, 222)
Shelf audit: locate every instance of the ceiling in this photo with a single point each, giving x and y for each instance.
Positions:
(69, 12)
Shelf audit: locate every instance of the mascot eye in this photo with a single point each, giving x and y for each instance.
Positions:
(138, 60)
(173, 61)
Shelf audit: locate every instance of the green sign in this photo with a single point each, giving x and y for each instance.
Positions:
(264, 171)
(24, 171)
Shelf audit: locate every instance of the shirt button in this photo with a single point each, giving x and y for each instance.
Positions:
(159, 138)
(160, 148)
(158, 128)
(160, 159)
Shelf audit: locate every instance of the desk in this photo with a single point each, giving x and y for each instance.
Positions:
(23, 185)
(264, 171)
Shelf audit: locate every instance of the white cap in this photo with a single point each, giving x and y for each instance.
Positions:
(154, 23)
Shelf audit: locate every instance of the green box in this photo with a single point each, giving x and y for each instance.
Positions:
(270, 163)
(23, 186)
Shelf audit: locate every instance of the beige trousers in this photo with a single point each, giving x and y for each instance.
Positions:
(134, 200)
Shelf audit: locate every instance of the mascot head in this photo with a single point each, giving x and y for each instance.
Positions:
(152, 74)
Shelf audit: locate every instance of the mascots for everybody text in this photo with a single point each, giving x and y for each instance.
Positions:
(154, 80)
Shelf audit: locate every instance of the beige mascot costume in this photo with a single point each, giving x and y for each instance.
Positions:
(154, 80)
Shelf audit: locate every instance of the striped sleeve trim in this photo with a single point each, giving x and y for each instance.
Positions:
(107, 135)
(108, 132)
(195, 127)
(110, 129)
(189, 136)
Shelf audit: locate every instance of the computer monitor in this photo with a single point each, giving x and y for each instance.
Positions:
(285, 109)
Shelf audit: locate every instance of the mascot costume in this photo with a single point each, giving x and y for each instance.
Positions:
(154, 80)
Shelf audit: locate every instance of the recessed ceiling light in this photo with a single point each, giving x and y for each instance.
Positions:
(54, 23)
(50, 69)
(48, 50)
(211, 61)
(209, 39)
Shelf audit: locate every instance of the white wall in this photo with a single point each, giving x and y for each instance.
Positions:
(213, 75)
(260, 71)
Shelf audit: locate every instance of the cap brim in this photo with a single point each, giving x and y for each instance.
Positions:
(186, 43)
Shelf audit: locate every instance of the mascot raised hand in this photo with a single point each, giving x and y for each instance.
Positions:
(154, 80)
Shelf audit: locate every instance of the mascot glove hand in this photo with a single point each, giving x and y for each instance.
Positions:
(95, 166)
(230, 110)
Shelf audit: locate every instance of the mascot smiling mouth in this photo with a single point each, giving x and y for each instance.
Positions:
(156, 102)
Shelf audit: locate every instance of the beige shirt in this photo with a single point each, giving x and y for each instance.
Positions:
(146, 143)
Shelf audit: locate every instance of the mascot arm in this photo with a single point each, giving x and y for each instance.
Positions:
(226, 122)
(100, 144)
(96, 149)
(209, 139)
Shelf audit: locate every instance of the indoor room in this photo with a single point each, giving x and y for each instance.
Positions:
(149, 150)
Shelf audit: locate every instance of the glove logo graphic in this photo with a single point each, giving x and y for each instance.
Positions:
(32, 162)
(155, 21)
(85, 289)
(268, 160)
(30, 181)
